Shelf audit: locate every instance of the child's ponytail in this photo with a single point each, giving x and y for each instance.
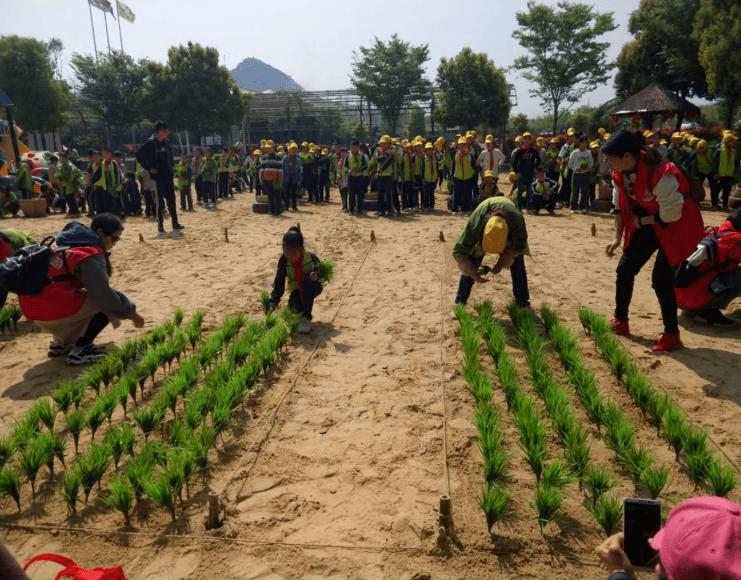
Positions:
(293, 238)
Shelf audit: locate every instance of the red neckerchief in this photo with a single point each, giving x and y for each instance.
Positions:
(298, 271)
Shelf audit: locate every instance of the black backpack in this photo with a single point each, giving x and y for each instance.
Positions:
(26, 271)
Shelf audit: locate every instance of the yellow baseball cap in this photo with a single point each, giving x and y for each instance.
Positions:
(292, 146)
(594, 145)
(405, 142)
(488, 173)
(540, 141)
(429, 145)
(462, 141)
(648, 133)
(527, 134)
(570, 132)
(495, 235)
(257, 152)
(304, 144)
(518, 139)
(489, 139)
(269, 143)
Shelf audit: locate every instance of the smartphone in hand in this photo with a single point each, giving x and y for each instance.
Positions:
(641, 521)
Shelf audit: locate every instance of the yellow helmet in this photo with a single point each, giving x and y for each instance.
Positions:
(518, 139)
(463, 141)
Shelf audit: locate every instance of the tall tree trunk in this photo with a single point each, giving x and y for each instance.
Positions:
(680, 120)
(731, 104)
(555, 117)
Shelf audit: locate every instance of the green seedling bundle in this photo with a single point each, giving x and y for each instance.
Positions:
(493, 500)
(550, 477)
(703, 466)
(325, 270)
(9, 315)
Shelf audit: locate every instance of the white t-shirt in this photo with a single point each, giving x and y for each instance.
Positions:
(581, 161)
(491, 160)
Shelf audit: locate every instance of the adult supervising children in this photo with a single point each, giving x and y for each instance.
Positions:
(496, 226)
(652, 216)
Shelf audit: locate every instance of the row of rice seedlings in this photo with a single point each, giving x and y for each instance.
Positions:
(9, 315)
(550, 480)
(619, 431)
(704, 467)
(573, 437)
(493, 499)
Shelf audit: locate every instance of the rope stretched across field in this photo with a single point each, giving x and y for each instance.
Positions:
(288, 391)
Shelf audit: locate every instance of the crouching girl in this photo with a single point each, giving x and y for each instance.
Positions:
(299, 268)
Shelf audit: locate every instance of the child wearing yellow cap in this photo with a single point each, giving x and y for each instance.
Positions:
(725, 166)
(496, 226)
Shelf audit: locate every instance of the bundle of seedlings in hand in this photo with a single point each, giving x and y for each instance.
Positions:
(121, 496)
(608, 513)
(494, 502)
(10, 485)
(76, 421)
(325, 270)
(70, 492)
(92, 467)
(120, 441)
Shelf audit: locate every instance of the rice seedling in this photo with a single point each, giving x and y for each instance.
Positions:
(24, 431)
(720, 478)
(53, 446)
(179, 471)
(120, 441)
(10, 485)
(95, 418)
(63, 395)
(30, 461)
(92, 467)
(535, 456)
(180, 433)
(675, 429)
(4, 320)
(76, 421)
(127, 352)
(495, 467)
(636, 460)
(70, 490)
(598, 482)
(657, 406)
(220, 417)
(608, 513)
(494, 502)
(621, 436)
(640, 389)
(695, 440)
(487, 418)
(555, 475)
(577, 453)
(160, 491)
(148, 418)
(178, 316)
(265, 301)
(698, 465)
(138, 472)
(121, 496)
(44, 412)
(7, 448)
(325, 270)
(655, 479)
(92, 378)
(547, 503)
(150, 363)
(121, 394)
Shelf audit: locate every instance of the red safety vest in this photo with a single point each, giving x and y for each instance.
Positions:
(677, 239)
(63, 298)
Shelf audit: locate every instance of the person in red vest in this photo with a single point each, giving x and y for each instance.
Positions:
(653, 215)
(79, 302)
(711, 277)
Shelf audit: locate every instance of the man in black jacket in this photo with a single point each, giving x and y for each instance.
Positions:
(156, 157)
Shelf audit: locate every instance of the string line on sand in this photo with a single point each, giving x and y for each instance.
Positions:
(446, 471)
(289, 390)
(732, 463)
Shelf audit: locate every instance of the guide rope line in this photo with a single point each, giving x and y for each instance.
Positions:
(288, 391)
(564, 285)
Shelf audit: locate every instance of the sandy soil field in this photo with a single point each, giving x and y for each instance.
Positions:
(335, 468)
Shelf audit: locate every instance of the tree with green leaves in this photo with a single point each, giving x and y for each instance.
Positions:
(563, 59)
(520, 124)
(115, 85)
(718, 33)
(390, 75)
(663, 50)
(27, 76)
(473, 91)
(193, 92)
(416, 125)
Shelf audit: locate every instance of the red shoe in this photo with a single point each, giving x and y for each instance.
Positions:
(619, 326)
(668, 342)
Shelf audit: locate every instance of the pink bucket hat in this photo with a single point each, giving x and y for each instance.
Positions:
(701, 540)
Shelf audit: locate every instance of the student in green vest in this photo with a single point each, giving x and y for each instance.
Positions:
(68, 177)
(23, 180)
(210, 171)
(417, 162)
(182, 183)
(356, 165)
(699, 164)
(725, 165)
(406, 173)
(429, 177)
(104, 182)
(297, 268)
(464, 171)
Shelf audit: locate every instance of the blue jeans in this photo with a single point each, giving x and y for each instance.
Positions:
(519, 282)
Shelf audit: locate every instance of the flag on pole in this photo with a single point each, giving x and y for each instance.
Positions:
(103, 5)
(124, 11)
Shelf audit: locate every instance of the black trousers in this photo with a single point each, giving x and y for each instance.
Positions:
(302, 300)
(166, 194)
(642, 246)
(356, 190)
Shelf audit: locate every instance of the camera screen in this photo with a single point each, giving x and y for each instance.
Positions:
(642, 520)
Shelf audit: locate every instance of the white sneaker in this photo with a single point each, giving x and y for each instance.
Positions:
(304, 327)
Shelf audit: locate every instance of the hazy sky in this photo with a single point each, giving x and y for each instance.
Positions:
(310, 41)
